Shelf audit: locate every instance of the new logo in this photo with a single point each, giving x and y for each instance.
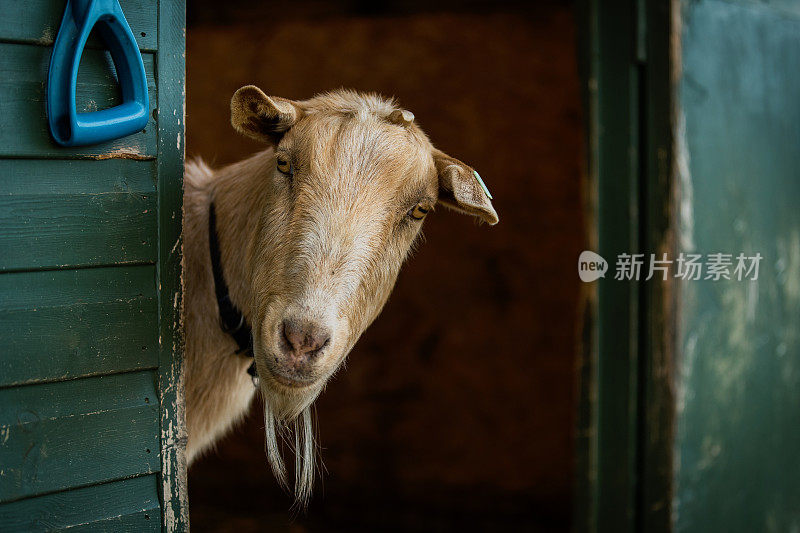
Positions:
(591, 266)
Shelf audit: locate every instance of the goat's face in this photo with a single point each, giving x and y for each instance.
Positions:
(351, 180)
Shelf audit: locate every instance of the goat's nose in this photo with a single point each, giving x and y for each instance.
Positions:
(304, 338)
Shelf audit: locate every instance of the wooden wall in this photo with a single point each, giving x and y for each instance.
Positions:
(90, 368)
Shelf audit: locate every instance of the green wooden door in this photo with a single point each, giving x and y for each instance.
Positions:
(737, 387)
(690, 406)
(91, 427)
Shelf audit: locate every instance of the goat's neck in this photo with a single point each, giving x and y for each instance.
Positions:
(218, 388)
(239, 198)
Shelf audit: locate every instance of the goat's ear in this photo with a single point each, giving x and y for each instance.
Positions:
(461, 189)
(262, 117)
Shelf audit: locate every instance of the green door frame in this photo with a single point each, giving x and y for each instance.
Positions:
(625, 414)
(171, 78)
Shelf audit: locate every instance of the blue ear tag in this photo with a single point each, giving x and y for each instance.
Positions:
(485, 188)
(70, 128)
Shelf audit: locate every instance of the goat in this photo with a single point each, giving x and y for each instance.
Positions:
(311, 234)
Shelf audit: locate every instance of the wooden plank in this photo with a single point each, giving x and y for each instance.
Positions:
(37, 22)
(75, 213)
(33, 290)
(78, 340)
(51, 401)
(62, 435)
(142, 521)
(66, 324)
(23, 121)
(120, 503)
(171, 142)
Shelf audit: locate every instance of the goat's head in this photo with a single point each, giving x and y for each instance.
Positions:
(351, 180)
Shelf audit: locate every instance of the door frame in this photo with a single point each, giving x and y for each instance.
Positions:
(171, 76)
(625, 411)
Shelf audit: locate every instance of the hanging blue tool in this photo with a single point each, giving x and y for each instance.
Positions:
(70, 128)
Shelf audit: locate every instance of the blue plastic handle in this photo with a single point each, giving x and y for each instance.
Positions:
(70, 128)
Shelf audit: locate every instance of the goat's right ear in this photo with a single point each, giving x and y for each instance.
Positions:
(264, 118)
(462, 189)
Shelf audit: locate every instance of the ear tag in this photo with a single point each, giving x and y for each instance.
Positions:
(483, 185)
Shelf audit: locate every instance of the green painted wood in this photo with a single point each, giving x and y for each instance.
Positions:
(624, 412)
(657, 304)
(61, 435)
(76, 213)
(53, 455)
(66, 342)
(738, 432)
(37, 21)
(171, 142)
(93, 395)
(108, 507)
(120, 212)
(32, 290)
(65, 324)
(607, 447)
(24, 131)
(141, 521)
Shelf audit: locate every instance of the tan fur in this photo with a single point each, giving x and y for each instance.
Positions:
(325, 245)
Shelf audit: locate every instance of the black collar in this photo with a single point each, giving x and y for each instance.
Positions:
(231, 320)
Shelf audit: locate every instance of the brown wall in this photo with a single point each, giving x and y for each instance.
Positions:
(456, 407)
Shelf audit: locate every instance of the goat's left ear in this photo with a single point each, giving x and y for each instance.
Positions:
(461, 189)
(264, 118)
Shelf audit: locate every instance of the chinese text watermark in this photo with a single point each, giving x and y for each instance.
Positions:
(635, 267)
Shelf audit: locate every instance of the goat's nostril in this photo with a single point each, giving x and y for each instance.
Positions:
(321, 342)
(287, 334)
(304, 338)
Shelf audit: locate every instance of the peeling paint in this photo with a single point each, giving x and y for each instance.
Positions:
(686, 197)
(122, 153)
(47, 36)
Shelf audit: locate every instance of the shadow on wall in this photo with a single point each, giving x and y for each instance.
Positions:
(456, 407)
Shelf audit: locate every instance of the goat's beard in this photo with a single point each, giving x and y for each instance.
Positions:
(288, 412)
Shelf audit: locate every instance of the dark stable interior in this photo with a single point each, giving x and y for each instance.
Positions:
(456, 408)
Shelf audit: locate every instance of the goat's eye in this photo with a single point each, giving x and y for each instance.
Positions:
(284, 165)
(418, 212)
